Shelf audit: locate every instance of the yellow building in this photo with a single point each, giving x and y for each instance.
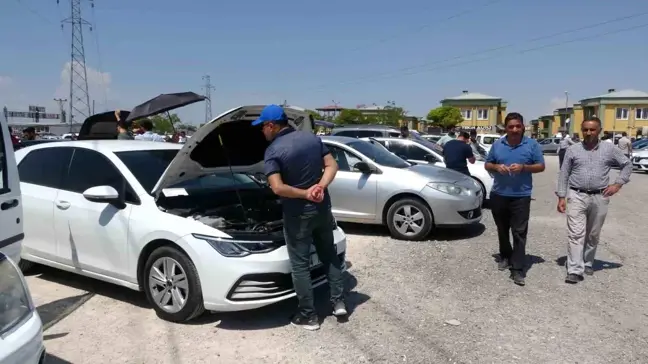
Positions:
(619, 111)
(561, 119)
(479, 111)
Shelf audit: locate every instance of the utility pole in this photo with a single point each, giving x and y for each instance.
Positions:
(79, 96)
(62, 108)
(208, 89)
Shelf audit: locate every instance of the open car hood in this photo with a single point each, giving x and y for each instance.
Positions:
(101, 126)
(242, 149)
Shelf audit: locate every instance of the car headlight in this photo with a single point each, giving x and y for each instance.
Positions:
(235, 248)
(450, 188)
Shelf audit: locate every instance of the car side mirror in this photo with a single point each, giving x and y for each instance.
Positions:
(430, 158)
(363, 167)
(101, 194)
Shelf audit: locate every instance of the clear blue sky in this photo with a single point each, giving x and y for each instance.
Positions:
(310, 53)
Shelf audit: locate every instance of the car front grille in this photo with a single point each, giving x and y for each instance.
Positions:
(265, 286)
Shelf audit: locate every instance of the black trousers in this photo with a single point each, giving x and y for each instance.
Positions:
(561, 157)
(511, 214)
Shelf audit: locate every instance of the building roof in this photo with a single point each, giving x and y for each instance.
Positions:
(621, 94)
(472, 96)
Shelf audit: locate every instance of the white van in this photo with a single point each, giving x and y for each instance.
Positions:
(487, 140)
(11, 213)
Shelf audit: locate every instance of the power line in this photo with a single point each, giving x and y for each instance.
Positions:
(410, 70)
(427, 25)
(208, 89)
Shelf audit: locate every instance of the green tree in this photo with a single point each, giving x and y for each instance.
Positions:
(351, 116)
(315, 114)
(392, 114)
(163, 124)
(445, 116)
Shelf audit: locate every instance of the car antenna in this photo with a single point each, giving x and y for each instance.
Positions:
(236, 188)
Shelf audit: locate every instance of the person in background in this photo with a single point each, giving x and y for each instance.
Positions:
(576, 138)
(584, 191)
(405, 133)
(565, 143)
(513, 159)
(625, 144)
(478, 150)
(29, 133)
(122, 128)
(446, 138)
(457, 153)
(14, 139)
(148, 134)
(299, 168)
(182, 137)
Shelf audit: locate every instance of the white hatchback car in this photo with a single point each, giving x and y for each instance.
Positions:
(190, 225)
(11, 215)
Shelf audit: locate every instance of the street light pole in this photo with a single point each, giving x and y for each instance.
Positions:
(566, 108)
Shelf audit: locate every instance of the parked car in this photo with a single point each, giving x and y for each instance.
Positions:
(432, 138)
(364, 131)
(423, 152)
(21, 329)
(373, 186)
(640, 144)
(11, 209)
(639, 160)
(549, 145)
(487, 140)
(187, 224)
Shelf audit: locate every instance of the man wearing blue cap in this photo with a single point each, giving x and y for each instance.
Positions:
(294, 162)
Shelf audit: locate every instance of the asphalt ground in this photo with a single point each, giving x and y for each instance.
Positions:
(439, 301)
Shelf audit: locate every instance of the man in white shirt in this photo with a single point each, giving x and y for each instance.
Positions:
(147, 125)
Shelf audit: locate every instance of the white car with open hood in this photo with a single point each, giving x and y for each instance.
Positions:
(190, 225)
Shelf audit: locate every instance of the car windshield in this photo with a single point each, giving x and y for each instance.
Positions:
(147, 165)
(378, 154)
(221, 182)
(14, 299)
(488, 140)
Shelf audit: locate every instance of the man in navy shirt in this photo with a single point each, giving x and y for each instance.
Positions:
(457, 153)
(294, 162)
(513, 158)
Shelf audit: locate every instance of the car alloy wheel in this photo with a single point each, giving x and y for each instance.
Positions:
(168, 285)
(172, 284)
(409, 219)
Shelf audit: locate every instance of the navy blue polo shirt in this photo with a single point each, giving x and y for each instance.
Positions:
(456, 154)
(297, 156)
(527, 152)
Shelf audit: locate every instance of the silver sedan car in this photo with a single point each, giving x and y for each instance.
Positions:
(373, 186)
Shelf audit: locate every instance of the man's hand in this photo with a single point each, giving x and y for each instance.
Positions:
(515, 168)
(503, 169)
(611, 190)
(562, 205)
(315, 193)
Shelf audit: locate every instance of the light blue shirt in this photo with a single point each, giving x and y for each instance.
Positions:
(526, 153)
(149, 135)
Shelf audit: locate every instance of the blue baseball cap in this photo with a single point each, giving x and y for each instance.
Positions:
(271, 113)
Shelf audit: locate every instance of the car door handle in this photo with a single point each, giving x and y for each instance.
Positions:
(63, 205)
(9, 204)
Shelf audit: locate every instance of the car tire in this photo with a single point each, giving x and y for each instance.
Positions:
(170, 263)
(25, 265)
(415, 206)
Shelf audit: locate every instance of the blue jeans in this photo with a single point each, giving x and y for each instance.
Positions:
(302, 231)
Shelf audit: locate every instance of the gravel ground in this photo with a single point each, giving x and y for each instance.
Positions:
(403, 295)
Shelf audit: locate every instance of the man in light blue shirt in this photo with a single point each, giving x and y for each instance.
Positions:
(512, 159)
(147, 125)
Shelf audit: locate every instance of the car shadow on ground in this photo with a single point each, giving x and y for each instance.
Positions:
(531, 260)
(598, 264)
(439, 234)
(279, 314)
(266, 317)
(53, 359)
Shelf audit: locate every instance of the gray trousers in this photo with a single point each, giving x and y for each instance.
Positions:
(585, 217)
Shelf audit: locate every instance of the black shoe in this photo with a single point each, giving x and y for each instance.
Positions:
(518, 278)
(589, 271)
(503, 264)
(339, 309)
(573, 278)
(309, 323)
